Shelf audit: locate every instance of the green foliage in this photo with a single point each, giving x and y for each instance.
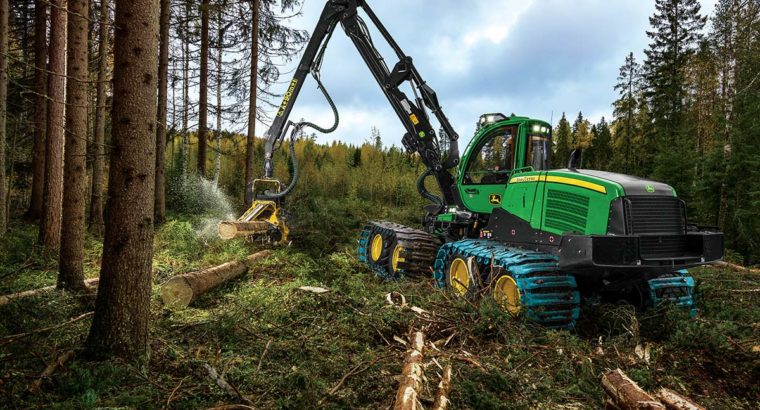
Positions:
(563, 143)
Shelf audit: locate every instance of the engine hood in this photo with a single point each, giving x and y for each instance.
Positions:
(632, 185)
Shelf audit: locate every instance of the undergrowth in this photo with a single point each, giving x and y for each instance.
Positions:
(286, 348)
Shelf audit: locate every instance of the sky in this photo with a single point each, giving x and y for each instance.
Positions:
(536, 58)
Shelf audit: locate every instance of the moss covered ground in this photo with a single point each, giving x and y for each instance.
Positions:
(285, 348)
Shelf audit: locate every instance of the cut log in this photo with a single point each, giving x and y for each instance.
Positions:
(411, 376)
(235, 229)
(675, 401)
(6, 299)
(181, 290)
(442, 396)
(626, 394)
(49, 370)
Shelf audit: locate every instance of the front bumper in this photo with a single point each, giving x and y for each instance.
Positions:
(578, 252)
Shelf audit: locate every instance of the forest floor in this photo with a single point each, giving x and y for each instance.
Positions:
(282, 347)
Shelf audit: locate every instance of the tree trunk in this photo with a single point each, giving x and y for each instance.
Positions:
(98, 165)
(626, 394)
(185, 148)
(219, 46)
(203, 97)
(52, 198)
(122, 307)
(4, 10)
(407, 396)
(71, 275)
(181, 290)
(163, 73)
(251, 138)
(40, 108)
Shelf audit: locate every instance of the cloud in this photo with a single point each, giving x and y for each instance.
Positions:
(537, 58)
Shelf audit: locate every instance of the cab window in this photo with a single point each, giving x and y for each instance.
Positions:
(538, 152)
(493, 158)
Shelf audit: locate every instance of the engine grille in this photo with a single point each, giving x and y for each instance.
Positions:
(655, 215)
(566, 211)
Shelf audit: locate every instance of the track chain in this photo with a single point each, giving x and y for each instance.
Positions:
(676, 289)
(418, 252)
(547, 296)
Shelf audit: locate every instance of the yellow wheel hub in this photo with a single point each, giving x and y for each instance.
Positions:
(397, 257)
(376, 249)
(506, 293)
(459, 276)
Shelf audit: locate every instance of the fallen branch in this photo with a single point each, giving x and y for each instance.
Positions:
(181, 290)
(232, 407)
(442, 395)
(6, 299)
(359, 368)
(411, 376)
(225, 385)
(12, 338)
(626, 394)
(675, 401)
(49, 370)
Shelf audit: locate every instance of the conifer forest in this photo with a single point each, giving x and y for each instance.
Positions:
(171, 237)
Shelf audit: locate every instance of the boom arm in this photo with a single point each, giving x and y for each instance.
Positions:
(419, 137)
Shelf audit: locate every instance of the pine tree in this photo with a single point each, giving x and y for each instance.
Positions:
(40, 108)
(4, 11)
(563, 140)
(71, 275)
(97, 225)
(122, 308)
(52, 199)
(161, 115)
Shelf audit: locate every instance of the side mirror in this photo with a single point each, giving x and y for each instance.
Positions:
(575, 159)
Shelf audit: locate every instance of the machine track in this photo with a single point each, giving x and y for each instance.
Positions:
(546, 295)
(401, 250)
(676, 288)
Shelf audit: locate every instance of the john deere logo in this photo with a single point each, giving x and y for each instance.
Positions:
(494, 199)
(650, 188)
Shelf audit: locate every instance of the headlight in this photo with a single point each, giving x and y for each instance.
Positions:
(536, 128)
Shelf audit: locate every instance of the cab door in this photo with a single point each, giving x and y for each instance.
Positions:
(485, 176)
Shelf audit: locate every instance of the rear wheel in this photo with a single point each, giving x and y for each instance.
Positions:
(462, 276)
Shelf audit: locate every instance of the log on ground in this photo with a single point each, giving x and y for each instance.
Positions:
(235, 229)
(6, 299)
(675, 401)
(442, 396)
(407, 396)
(626, 394)
(181, 290)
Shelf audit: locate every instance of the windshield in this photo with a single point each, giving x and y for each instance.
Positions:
(539, 152)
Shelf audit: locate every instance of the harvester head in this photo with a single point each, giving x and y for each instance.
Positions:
(263, 220)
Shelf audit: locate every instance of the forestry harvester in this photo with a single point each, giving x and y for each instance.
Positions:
(538, 239)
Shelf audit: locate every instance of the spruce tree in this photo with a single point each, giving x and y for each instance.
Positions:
(676, 30)
(562, 143)
(628, 87)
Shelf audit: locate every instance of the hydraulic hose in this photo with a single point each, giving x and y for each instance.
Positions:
(424, 192)
(267, 195)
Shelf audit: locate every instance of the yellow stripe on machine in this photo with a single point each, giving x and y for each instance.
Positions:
(560, 180)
